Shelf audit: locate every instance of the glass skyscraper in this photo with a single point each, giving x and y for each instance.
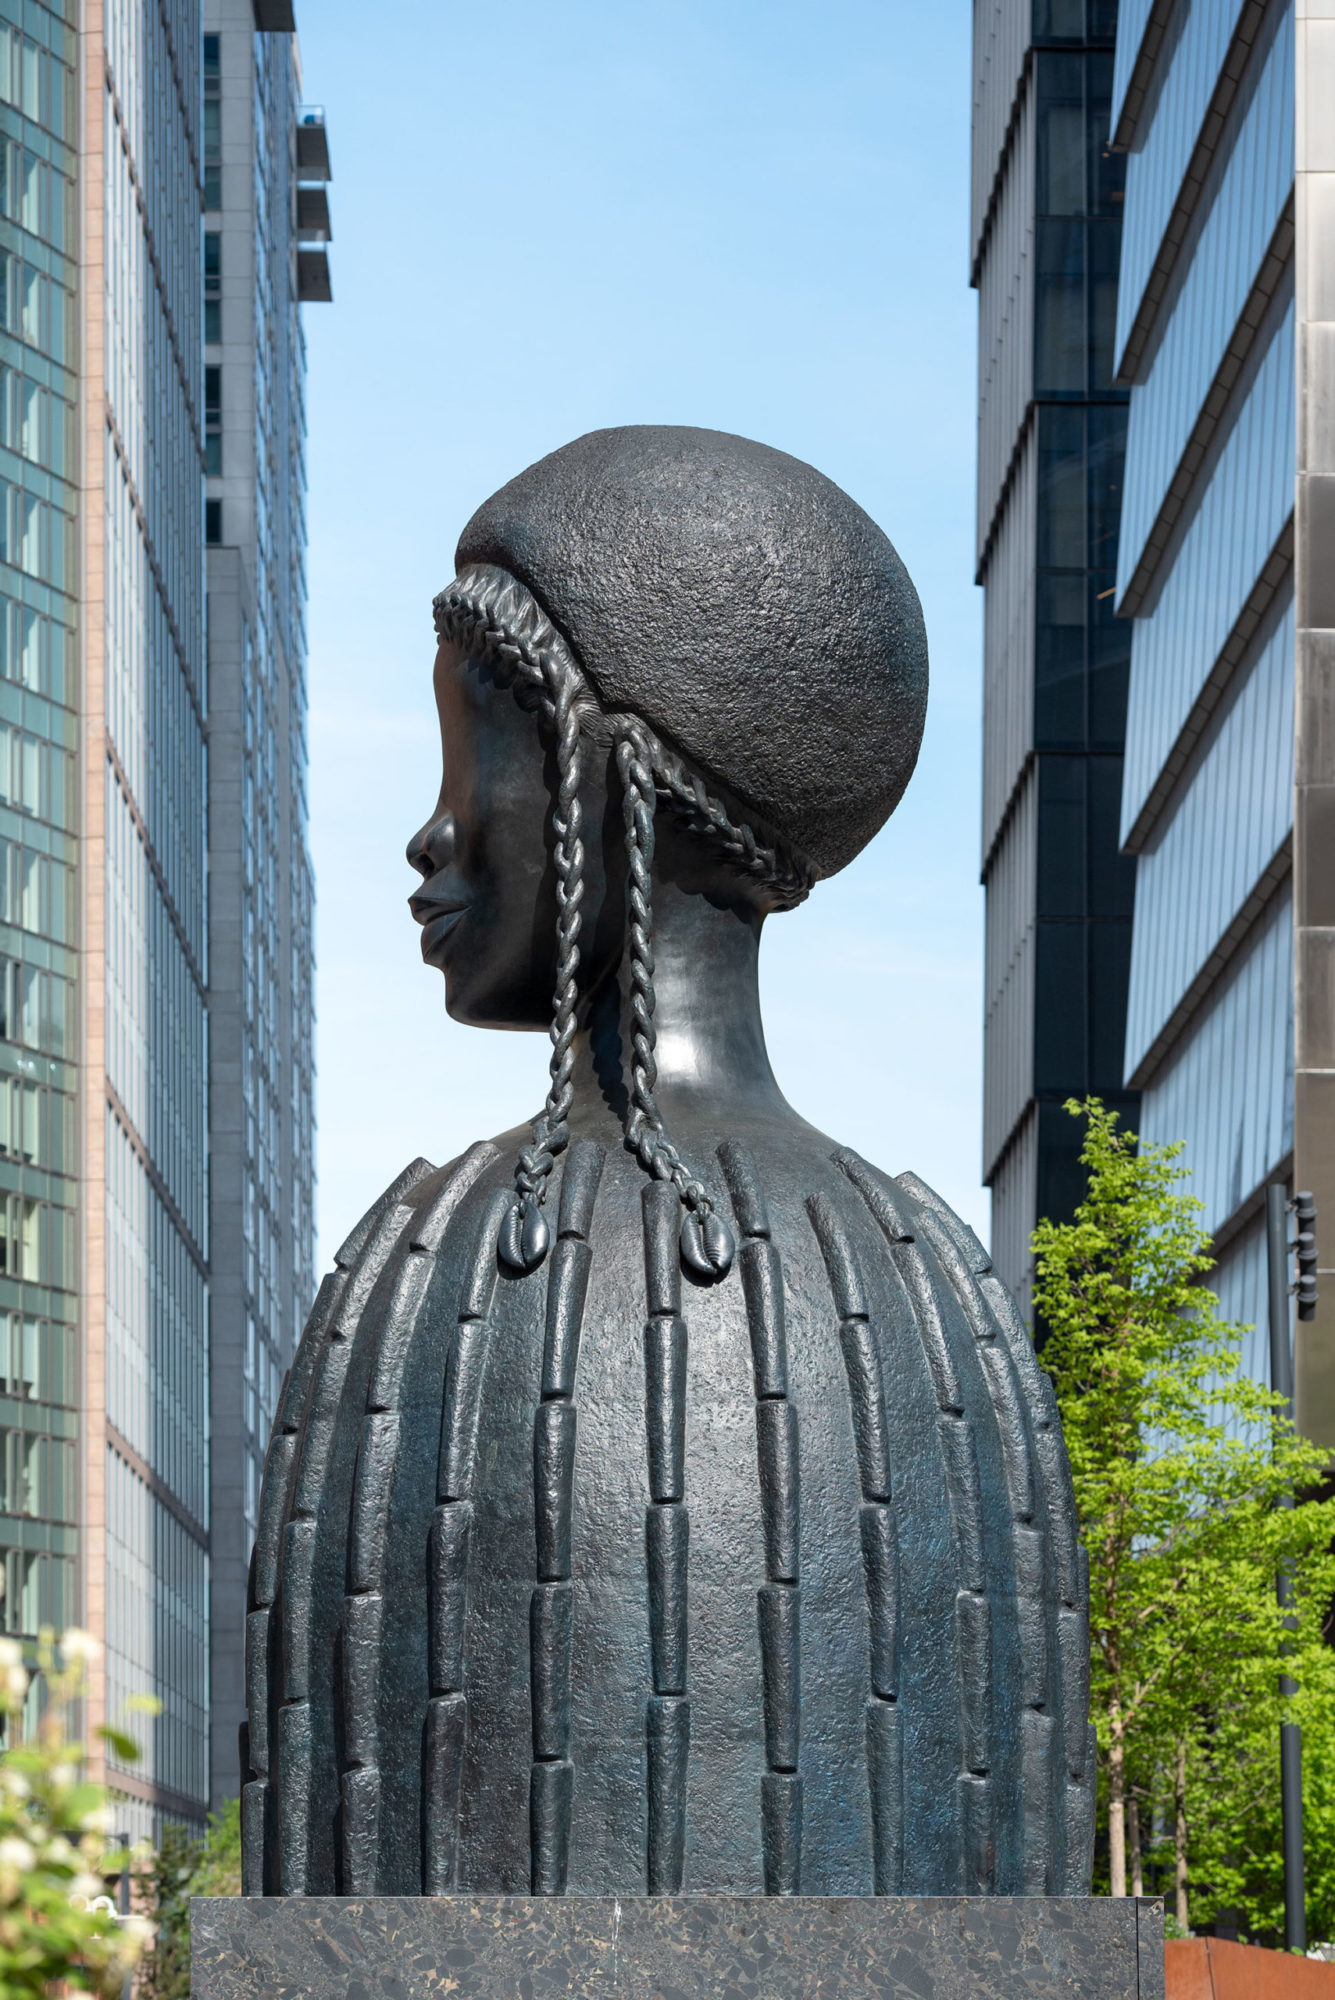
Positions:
(41, 815)
(265, 224)
(1047, 196)
(153, 861)
(1225, 339)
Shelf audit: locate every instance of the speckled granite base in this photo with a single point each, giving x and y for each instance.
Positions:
(677, 1948)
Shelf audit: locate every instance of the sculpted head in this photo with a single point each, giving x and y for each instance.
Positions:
(667, 652)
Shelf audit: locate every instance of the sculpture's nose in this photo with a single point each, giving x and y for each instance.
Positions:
(432, 846)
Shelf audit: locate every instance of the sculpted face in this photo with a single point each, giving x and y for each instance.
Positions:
(487, 900)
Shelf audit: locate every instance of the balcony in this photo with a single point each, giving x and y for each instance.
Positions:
(312, 145)
(313, 286)
(313, 225)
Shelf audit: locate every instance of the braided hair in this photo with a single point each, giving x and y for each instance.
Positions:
(488, 613)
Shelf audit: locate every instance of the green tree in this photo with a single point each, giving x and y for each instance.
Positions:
(184, 1867)
(57, 1921)
(1234, 1803)
(1180, 1465)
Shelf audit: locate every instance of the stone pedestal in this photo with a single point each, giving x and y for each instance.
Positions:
(677, 1948)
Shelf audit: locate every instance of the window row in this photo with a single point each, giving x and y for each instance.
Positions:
(1081, 454)
(36, 651)
(37, 1359)
(37, 83)
(212, 287)
(1078, 172)
(38, 1590)
(37, 423)
(36, 892)
(212, 420)
(37, 196)
(36, 776)
(212, 123)
(37, 1242)
(35, 308)
(36, 537)
(37, 1125)
(36, 1008)
(37, 1476)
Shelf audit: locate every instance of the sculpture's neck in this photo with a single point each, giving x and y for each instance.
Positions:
(710, 1047)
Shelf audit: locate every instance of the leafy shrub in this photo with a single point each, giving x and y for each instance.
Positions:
(57, 1921)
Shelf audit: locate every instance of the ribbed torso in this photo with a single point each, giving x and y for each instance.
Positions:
(600, 1580)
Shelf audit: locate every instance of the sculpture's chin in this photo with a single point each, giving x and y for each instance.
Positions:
(475, 1005)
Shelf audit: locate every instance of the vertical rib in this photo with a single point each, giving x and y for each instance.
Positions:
(445, 1726)
(779, 1603)
(880, 1542)
(668, 1738)
(973, 1639)
(776, 1441)
(1078, 1825)
(451, 1532)
(551, 1797)
(667, 1539)
(885, 1773)
(256, 1800)
(959, 1458)
(748, 1196)
(979, 1844)
(781, 1832)
(762, 1285)
(1073, 1647)
(551, 1634)
(301, 1471)
(665, 1405)
(1037, 1472)
(880, 1570)
(551, 1608)
(1036, 1775)
(553, 1487)
(294, 1756)
(781, 1663)
(667, 1721)
(567, 1285)
(257, 1671)
(442, 1773)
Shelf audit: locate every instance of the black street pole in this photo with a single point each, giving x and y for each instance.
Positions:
(1290, 1735)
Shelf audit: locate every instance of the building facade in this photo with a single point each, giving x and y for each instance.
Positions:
(1046, 220)
(141, 999)
(41, 459)
(135, 765)
(264, 171)
(1225, 339)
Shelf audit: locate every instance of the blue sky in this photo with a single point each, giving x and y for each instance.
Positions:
(744, 215)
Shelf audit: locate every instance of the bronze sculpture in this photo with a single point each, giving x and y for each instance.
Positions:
(665, 1498)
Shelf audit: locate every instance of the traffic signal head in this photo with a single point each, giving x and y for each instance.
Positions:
(1304, 1209)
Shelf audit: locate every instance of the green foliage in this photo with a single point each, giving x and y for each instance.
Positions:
(1184, 1473)
(57, 1921)
(1233, 1803)
(184, 1867)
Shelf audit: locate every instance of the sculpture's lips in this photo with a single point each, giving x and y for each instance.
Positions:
(438, 919)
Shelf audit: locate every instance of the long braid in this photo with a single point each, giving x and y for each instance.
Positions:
(492, 615)
(526, 1233)
(706, 1240)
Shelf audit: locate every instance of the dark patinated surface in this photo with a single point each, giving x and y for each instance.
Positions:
(704, 579)
(678, 1948)
(663, 1498)
(599, 1579)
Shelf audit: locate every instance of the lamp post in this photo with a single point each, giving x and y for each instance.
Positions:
(1278, 1248)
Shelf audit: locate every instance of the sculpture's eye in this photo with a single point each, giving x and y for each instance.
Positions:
(432, 846)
